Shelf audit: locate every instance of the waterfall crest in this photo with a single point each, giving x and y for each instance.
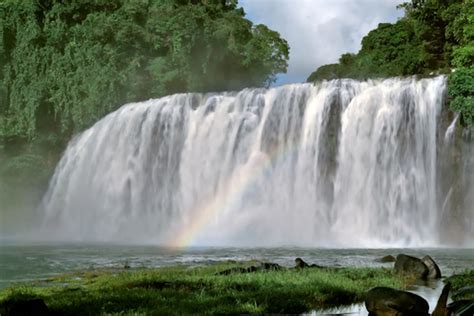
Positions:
(339, 163)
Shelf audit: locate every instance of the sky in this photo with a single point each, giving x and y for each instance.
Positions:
(319, 31)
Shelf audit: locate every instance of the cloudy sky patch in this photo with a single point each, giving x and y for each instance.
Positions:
(319, 31)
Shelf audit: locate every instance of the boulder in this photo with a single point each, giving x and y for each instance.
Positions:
(433, 270)
(270, 266)
(300, 263)
(385, 301)
(411, 266)
(384, 259)
(238, 270)
(314, 265)
(264, 266)
(26, 306)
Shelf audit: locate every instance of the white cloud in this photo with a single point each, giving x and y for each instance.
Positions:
(319, 31)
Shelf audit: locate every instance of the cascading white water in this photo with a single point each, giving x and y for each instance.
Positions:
(449, 135)
(340, 163)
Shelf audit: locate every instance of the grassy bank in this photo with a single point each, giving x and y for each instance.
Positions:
(459, 281)
(201, 290)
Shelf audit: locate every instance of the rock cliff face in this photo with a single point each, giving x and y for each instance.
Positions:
(338, 163)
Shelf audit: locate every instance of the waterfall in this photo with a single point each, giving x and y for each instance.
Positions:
(449, 135)
(338, 163)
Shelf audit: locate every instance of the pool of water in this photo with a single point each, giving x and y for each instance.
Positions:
(28, 262)
(430, 291)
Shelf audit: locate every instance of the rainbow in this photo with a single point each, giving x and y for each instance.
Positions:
(228, 195)
(239, 182)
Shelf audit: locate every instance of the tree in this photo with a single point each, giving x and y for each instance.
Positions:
(461, 82)
(432, 37)
(66, 64)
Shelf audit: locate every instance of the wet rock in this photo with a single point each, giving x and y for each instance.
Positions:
(270, 266)
(433, 270)
(28, 306)
(385, 301)
(411, 266)
(384, 259)
(441, 308)
(462, 308)
(315, 266)
(238, 270)
(300, 263)
(264, 266)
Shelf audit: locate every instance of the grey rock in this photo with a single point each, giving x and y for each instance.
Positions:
(264, 266)
(411, 266)
(433, 270)
(385, 301)
(300, 263)
(270, 266)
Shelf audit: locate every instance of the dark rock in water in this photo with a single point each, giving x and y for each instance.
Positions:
(433, 270)
(300, 263)
(315, 266)
(462, 308)
(270, 266)
(238, 270)
(425, 268)
(411, 266)
(387, 301)
(441, 308)
(388, 258)
(23, 307)
(264, 266)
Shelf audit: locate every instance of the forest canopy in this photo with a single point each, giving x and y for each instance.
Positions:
(65, 64)
(434, 36)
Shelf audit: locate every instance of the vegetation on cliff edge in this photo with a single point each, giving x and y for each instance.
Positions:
(433, 37)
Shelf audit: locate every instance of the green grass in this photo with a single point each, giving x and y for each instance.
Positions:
(198, 290)
(459, 281)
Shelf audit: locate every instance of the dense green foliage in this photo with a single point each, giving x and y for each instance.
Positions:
(434, 36)
(389, 50)
(461, 82)
(459, 281)
(65, 64)
(184, 290)
(461, 89)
